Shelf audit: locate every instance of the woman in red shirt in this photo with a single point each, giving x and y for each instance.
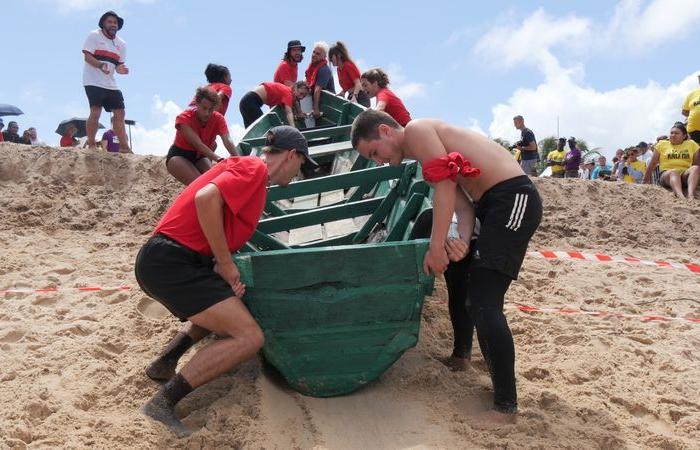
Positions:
(219, 79)
(375, 82)
(272, 94)
(348, 75)
(195, 139)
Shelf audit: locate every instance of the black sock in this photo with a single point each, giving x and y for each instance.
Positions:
(177, 347)
(177, 388)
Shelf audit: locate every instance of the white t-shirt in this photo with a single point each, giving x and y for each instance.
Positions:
(646, 157)
(110, 51)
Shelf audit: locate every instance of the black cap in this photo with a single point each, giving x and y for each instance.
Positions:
(288, 138)
(642, 144)
(120, 21)
(295, 44)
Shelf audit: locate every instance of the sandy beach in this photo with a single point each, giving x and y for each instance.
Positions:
(72, 372)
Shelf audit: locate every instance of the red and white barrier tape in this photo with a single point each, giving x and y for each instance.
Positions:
(597, 257)
(70, 289)
(602, 314)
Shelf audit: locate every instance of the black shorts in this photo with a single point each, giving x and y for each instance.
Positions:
(695, 135)
(180, 279)
(191, 155)
(109, 99)
(509, 213)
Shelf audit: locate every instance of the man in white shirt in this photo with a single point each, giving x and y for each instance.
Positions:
(105, 54)
(644, 152)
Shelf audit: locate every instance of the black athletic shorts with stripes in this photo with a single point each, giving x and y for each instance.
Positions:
(509, 213)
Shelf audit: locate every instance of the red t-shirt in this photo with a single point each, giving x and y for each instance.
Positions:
(215, 126)
(278, 94)
(394, 106)
(286, 71)
(242, 182)
(66, 141)
(2, 138)
(223, 88)
(347, 75)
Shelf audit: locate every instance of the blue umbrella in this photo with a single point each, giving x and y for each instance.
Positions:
(9, 110)
(79, 124)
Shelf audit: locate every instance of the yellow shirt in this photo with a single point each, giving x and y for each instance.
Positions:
(516, 154)
(557, 156)
(692, 105)
(638, 166)
(676, 157)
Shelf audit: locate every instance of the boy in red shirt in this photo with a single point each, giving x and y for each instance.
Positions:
(197, 129)
(375, 82)
(287, 70)
(186, 266)
(498, 193)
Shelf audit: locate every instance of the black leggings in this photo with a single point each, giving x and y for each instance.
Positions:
(251, 108)
(484, 290)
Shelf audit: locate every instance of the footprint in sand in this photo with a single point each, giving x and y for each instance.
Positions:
(12, 336)
(151, 309)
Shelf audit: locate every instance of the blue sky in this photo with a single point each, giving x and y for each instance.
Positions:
(613, 72)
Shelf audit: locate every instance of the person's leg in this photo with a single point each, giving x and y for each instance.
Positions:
(203, 164)
(671, 179)
(120, 131)
(457, 280)
(91, 125)
(690, 177)
(182, 169)
(163, 367)
(244, 338)
(250, 108)
(487, 289)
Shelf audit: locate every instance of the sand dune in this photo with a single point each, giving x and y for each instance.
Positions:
(72, 368)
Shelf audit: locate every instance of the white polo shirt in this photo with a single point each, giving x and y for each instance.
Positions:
(110, 51)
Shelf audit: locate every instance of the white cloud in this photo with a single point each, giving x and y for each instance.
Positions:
(474, 125)
(401, 86)
(157, 141)
(636, 25)
(510, 44)
(640, 27)
(608, 119)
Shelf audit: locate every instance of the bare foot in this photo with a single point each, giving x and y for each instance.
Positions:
(455, 363)
(161, 369)
(491, 419)
(160, 409)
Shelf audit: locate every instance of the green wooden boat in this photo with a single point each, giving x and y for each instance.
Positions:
(339, 312)
(329, 140)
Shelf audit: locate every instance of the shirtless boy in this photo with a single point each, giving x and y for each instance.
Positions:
(492, 187)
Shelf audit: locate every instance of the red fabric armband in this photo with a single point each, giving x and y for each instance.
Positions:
(449, 167)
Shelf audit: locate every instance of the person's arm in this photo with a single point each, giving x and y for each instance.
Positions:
(317, 101)
(290, 115)
(426, 145)
(94, 62)
(230, 146)
(210, 214)
(341, 93)
(356, 90)
(196, 142)
(650, 168)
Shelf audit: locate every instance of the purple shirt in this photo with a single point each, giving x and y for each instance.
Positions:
(574, 159)
(112, 141)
